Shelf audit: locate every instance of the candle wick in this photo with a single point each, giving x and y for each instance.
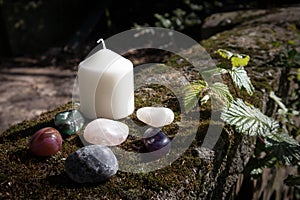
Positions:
(102, 41)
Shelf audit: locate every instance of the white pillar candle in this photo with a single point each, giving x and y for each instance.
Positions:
(106, 85)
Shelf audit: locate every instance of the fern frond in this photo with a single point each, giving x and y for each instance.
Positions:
(248, 119)
(241, 79)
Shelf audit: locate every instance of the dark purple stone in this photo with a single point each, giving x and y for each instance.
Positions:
(156, 140)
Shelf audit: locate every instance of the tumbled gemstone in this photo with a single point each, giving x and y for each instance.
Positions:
(91, 164)
(105, 132)
(155, 139)
(69, 122)
(45, 142)
(155, 116)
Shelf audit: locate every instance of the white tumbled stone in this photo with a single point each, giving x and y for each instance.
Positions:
(105, 132)
(155, 116)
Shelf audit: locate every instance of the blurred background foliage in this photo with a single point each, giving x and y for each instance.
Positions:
(32, 26)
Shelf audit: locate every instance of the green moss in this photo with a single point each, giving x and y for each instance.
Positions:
(27, 176)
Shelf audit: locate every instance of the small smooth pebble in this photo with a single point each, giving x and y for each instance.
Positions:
(155, 139)
(106, 132)
(155, 116)
(91, 164)
(69, 122)
(45, 142)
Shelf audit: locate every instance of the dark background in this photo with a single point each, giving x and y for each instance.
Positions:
(32, 27)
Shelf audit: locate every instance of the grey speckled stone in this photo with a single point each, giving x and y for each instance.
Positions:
(91, 164)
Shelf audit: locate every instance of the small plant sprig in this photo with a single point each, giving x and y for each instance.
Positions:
(279, 145)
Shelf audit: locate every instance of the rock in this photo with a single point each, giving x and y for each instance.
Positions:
(221, 21)
(45, 142)
(91, 164)
(156, 140)
(69, 122)
(106, 132)
(155, 116)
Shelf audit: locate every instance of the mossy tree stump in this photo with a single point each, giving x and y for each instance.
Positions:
(199, 173)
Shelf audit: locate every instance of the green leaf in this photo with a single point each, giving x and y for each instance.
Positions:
(213, 72)
(237, 60)
(240, 60)
(267, 161)
(192, 94)
(280, 137)
(222, 91)
(248, 119)
(291, 42)
(285, 152)
(164, 22)
(225, 54)
(241, 79)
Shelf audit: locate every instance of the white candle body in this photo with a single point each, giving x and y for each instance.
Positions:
(106, 86)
